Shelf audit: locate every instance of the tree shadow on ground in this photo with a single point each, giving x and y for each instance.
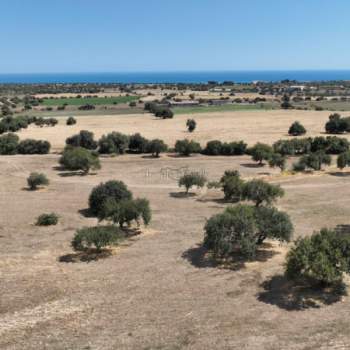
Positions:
(200, 257)
(182, 194)
(86, 213)
(149, 156)
(252, 165)
(339, 173)
(86, 256)
(298, 296)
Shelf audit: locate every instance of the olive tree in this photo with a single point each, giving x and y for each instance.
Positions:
(277, 160)
(156, 146)
(192, 179)
(191, 125)
(115, 190)
(84, 139)
(37, 179)
(186, 147)
(78, 158)
(296, 129)
(261, 152)
(322, 258)
(242, 228)
(259, 192)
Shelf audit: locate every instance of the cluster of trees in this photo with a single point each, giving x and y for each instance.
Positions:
(40, 121)
(337, 125)
(14, 124)
(114, 202)
(117, 143)
(329, 145)
(160, 111)
(10, 144)
(242, 228)
(86, 107)
(257, 191)
(216, 147)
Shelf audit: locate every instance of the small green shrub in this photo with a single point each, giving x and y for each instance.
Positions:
(36, 179)
(296, 129)
(97, 237)
(71, 121)
(191, 125)
(47, 219)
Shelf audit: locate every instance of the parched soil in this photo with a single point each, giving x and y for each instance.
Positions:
(160, 290)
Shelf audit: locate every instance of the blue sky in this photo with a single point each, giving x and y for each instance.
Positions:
(161, 35)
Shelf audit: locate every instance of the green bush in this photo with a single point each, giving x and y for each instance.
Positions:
(115, 142)
(240, 229)
(97, 237)
(191, 125)
(321, 258)
(111, 190)
(343, 160)
(192, 179)
(30, 146)
(71, 121)
(84, 139)
(296, 129)
(78, 158)
(8, 144)
(36, 179)
(232, 186)
(186, 147)
(47, 219)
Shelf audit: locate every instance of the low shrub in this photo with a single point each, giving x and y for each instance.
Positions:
(47, 219)
(71, 121)
(97, 237)
(37, 179)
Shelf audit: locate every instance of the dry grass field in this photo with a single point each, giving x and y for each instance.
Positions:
(250, 126)
(159, 291)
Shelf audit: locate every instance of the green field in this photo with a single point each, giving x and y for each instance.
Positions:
(74, 101)
(224, 108)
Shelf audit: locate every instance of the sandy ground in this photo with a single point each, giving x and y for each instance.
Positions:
(158, 290)
(250, 126)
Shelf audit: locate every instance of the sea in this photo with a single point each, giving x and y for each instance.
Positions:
(177, 77)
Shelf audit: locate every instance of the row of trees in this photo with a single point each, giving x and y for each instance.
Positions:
(10, 144)
(117, 143)
(160, 111)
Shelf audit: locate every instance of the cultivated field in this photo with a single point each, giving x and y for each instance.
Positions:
(159, 291)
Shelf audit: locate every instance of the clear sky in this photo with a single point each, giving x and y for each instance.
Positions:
(163, 35)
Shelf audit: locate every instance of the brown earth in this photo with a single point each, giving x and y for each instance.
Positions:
(160, 290)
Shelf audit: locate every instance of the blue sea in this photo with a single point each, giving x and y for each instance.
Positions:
(177, 77)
